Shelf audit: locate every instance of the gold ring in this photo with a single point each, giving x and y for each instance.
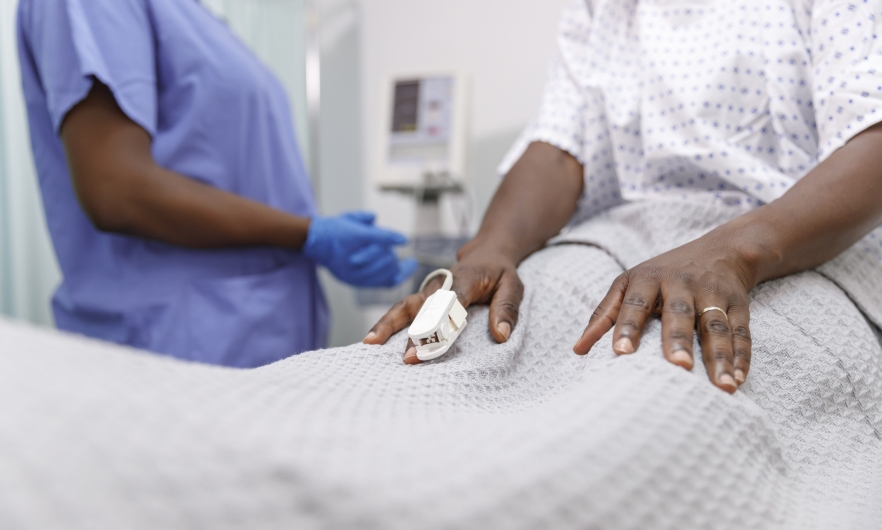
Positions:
(713, 308)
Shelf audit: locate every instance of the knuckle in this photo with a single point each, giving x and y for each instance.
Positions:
(709, 283)
(636, 301)
(680, 307)
(679, 334)
(742, 332)
(721, 355)
(486, 281)
(628, 325)
(742, 353)
(717, 326)
(479, 276)
(598, 314)
(685, 277)
(735, 299)
(509, 307)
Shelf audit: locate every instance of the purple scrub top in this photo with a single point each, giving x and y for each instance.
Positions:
(216, 115)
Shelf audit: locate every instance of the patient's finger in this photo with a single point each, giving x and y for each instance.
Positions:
(638, 303)
(505, 306)
(678, 325)
(715, 336)
(604, 316)
(396, 319)
(410, 353)
(739, 318)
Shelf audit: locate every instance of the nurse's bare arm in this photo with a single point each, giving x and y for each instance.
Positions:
(123, 190)
(534, 202)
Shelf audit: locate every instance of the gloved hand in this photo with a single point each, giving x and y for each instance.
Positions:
(356, 251)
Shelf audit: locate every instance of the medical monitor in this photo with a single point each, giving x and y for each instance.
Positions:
(424, 132)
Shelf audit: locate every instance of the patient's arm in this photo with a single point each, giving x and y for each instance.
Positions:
(123, 190)
(829, 210)
(534, 202)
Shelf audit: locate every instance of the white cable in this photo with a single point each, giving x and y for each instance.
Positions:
(448, 282)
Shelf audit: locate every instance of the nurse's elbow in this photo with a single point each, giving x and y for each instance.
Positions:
(108, 222)
(108, 205)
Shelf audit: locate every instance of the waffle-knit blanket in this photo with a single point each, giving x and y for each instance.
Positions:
(518, 435)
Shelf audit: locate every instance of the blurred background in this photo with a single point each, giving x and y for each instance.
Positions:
(346, 65)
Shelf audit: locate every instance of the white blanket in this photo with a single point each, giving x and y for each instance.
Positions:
(518, 435)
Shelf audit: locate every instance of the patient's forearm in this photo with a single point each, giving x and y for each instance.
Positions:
(829, 210)
(534, 202)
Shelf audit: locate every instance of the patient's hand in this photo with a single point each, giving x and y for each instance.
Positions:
(713, 271)
(482, 275)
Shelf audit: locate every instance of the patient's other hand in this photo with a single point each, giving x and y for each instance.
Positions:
(703, 285)
(482, 275)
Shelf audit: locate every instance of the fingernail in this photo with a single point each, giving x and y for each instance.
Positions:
(410, 356)
(681, 358)
(727, 380)
(370, 336)
(739, 376)
(505, 329)
(624, 345)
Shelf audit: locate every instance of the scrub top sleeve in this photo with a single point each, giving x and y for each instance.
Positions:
(847, 67)
(73, 42)
(560, 120)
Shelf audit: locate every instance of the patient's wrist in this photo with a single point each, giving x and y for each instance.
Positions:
(755, 245)
(489, 248)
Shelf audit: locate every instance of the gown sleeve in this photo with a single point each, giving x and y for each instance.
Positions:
(847, 69)
(74, 42)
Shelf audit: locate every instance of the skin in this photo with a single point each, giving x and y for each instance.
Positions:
(123, 190)
(827, 211)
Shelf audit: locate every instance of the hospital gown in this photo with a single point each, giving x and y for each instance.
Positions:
(730, 102)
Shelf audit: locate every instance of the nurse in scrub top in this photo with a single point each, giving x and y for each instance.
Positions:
(174, 190)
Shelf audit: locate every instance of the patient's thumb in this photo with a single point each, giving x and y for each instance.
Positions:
(505, 308)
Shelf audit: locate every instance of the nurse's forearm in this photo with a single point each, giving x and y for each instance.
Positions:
(123, 190)
(178, 210)
(829, 210)
(534, 202)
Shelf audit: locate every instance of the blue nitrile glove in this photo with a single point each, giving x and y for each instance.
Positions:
(356, 251)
